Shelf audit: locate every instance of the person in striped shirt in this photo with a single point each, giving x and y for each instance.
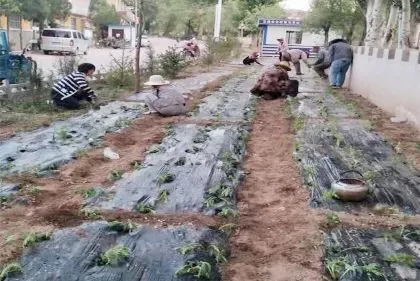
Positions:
(72, 89)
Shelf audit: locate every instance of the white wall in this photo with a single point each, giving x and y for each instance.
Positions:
(308, 38)
(392, 84)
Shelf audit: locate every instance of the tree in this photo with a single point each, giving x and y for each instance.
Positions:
(8, 8)
(102, 14)
(330, 14)
(263, 11)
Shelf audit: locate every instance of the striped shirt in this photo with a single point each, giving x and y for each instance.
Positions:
(72, 84)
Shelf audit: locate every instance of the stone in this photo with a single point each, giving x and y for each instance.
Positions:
(108, 153)
(398, 120)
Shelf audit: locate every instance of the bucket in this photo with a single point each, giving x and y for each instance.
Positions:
(350, 188)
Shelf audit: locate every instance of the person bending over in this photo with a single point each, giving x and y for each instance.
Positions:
(74, 88)
(295, 56)
(252, 58)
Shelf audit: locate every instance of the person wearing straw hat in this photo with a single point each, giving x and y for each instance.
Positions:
(283, 66)
(163, 100)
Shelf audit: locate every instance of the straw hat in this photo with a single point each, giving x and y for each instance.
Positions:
(284, 65)
(156, 80)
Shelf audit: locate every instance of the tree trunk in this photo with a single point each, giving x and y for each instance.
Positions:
(21, 33)
(390, 27)
(8, 29)
(138, 47)
(326, 35)
(406, 23)
(374, 20)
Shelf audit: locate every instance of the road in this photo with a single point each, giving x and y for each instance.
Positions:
(103, 58)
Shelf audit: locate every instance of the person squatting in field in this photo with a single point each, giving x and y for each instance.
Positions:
(275, 83)
(74, 88)
(252, 58)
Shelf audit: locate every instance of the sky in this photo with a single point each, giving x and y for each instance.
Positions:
(297, 4)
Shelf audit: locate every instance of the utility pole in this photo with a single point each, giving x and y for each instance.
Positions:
(218, 20)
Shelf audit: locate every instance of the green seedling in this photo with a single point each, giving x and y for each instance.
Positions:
(34, 238)
(210, 202)
(217, 253)
(181, 161)
(163, 196)
(115, 256)
(123, 123)
(228, 228)
(153, 150)
(62, 134)
(12, 269)
(136, 165)
(372, 270)
(330, 195)
(145, 208)
(127, 227)
(401, 259)
(116, 175)
(199, 269)
(335, 267)
(396, 235)
(185, 250)
(90, 213)
(324, 112)
(166, 178)
(227, 212)
(226, 191)
(34, 191)
(4, 199)
(88, 193)
(332, 220)
(169, 130)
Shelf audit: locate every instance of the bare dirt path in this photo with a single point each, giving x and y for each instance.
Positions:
(278, 236)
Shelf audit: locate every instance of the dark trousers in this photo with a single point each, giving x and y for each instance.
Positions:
(297, 67)
(248, 61)
(72, 102)
(321, 71)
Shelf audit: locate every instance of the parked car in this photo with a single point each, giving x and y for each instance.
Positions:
(63, 41)
(145, 42)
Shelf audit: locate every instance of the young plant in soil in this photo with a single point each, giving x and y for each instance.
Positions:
(121, 227)
(332, 220)
(34, 238)
(62, 134)
(122, 123)
(185, 250)
(181, 161)
(166, 178)
(169, 130)
(116, 175)
(402, 259)
(228, 228)
(137, 165)
(163, 196)
(10, 270)
(145, 208)
(217, 253)
(90, 213)
(88, 193)
(298, 124)
(396, 235)
(115, 256)
(199, 269)
(227, 212)
(330, 195)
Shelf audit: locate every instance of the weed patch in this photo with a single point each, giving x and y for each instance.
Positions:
(115, 256)
(34, 238)
(401, 259)
(145, 208)
(199, 269)
(121, 227)
(10, 270)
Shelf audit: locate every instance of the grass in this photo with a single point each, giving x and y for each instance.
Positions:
(163, 196)
(90, 213)
(34, 238)
(335, 267)
(116, 175)
(185, 250)
(401, 259)
(199, 269)
(166, 178)
(338, 268)
(115, 256)
(121, 227)
(88, 193)
(298, 124)
(145, 208)
(12, 269)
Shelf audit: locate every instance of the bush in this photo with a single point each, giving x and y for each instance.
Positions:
(121, 72)
(152, 63)
(66, 65)
(223, 50)
(171, 62)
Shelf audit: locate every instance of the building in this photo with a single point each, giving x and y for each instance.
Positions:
(289, 29)
(16, 22)
(79, 17)
(124, 11)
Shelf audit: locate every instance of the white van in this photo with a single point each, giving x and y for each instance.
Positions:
(63, 41)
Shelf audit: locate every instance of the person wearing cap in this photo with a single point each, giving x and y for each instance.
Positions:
(282, 48)
(321, 64)
(283, 66)
(252, 58)
(164, 100)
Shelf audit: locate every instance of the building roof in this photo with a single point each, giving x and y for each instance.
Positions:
(280, 22)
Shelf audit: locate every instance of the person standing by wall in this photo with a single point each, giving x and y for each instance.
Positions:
(340, 55)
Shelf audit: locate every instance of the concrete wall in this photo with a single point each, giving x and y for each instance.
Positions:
(308, 39)
(388, 78)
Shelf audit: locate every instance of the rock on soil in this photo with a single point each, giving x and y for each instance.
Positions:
(73, 254)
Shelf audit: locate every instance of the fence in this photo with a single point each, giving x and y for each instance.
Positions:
(388, 78)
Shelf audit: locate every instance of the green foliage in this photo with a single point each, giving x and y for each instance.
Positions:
(401, 259)
(34, 238)
(121, 72)
(66, 65)
(252, 15)
(116, 175)
(90, 213)
(41, 10)
(199, 269)
(332, 220)
(12, 269)
(227, 212)
(121, 227)
(145, 208)
(102, 13)
(339, 267)
(221, 51)
(171, 62)
(163, 196)
(217, 253)
(88, 193)
(166, 178)
(330, 195)
(115, 256)
(185, 250)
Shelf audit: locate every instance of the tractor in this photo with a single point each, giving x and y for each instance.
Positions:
(14, 68)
